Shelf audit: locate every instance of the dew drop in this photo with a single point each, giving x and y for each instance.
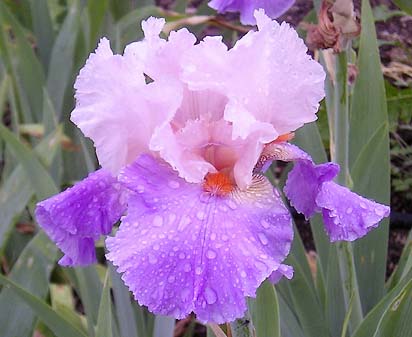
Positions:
(349, 210)
(210, 295)
(201, 215)
(152, 259)
(157, 221)
(198, 270)
(265, 224)
(140, 188)
(263, 238)
(173, 184)
(211, 254)
(362, 205)
(171, 279)
(182, 256)
(156, 247)
(380, 211)
(231, 204)
(243, 274)
(184, 221)
(187, 267)
(213, 236)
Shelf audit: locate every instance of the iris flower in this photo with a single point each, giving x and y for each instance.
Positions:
(246, 8)
(184, 132)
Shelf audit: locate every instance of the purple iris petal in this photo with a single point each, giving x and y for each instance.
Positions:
(348, 216)
(273, 8)
(304, 183)
(310, 189)
(77, 217)
(283, 271)
(181, 249)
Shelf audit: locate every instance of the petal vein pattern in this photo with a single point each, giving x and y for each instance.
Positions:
(181, 249)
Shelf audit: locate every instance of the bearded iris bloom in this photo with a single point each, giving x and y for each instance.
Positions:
(246, 8)
(184, 132)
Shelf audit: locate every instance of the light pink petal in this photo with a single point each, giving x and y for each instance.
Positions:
(117, 110)
(268, 73)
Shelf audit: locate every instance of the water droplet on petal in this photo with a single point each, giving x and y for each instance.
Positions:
(231, 204)
(174, 184)
(184, 221)
(187, 267)
(211, 254)
(362, 205)
(171, 279)
(157, 221)
(182, 256)
(156, 247)
(201, 215)
(349, 210)
(210, 295)
(185, 294)
(265, 224)
(263, 238)
(198, 270)
(152, 259)
(213, 236)
(243, 274)
(380, 211)
(140, 188)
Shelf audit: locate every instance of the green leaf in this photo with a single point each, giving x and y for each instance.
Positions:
(369, 159)
(90, 290)
(371, 321)
(31, 272)
(396, 322)
(104, 318)
(265, 311)
(16, 191)
(405, 5)
(43, 30)
(22, 64)
(404, 265)
(123, 307)
(58, 324)
(41, 181)
(97, 11)
(164, 326)
(61, 61)
(289, 324)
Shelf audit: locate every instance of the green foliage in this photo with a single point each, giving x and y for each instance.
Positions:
(43, 44)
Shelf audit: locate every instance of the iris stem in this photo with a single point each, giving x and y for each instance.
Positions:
(341, 156)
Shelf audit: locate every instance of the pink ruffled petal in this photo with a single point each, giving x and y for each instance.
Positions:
(281, 85)
(117, 109)
(181, 249)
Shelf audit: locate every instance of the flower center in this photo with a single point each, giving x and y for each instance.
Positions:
(218, 184)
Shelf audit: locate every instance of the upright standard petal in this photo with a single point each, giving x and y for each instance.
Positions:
(309, 187)
(183, 249)
(75, 218)
(246, 8)
(117, 109)
(281, 85)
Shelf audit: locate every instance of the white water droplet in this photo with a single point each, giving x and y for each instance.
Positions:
(210, 295)
(140, 188)
(231, 204)
(184, 221)
(172, 218)
(157, 221)
(198, 270)
(187, 267)
(152, 259)
(171, 279)
(265, 224)
(243, 274)
(380, 211)
(201, 215)
(182, 255)
(174, 184)
(349, 210)
(213, 236)
(156, 247)
(362, 205)
(263, 238)
(211, 254)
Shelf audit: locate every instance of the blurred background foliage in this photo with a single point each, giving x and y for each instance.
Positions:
(44, 43)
